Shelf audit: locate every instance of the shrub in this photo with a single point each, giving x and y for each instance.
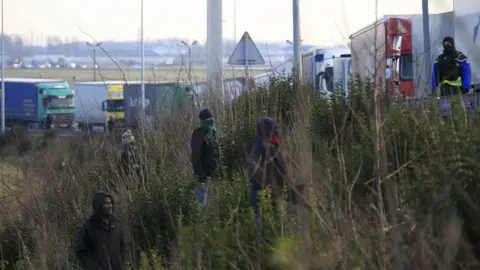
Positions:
(377, 181)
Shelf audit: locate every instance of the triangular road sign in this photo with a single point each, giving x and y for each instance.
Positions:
(239, 56)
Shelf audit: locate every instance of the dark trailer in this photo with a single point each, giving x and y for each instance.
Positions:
(161, 99)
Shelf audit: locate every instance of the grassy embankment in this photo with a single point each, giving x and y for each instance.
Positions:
(384, 189)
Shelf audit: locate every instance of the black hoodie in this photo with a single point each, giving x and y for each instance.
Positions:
(101, 246)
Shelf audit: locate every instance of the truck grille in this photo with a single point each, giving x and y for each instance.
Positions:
(64, 118)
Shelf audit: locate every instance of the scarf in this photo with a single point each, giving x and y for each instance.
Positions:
(208, 126)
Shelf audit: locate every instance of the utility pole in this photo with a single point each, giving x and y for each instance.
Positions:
(426, 42)
(189, 46)
(297, 46)
(234, 30)
(3, 73)
(94, 47)
(142, 73)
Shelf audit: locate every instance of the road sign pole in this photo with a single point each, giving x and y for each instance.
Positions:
(247, 86)
(246, 53)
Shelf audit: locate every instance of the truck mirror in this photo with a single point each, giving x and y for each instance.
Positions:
(104, 105)
(388, 73)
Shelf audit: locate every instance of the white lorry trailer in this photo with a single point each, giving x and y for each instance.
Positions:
(97, 103)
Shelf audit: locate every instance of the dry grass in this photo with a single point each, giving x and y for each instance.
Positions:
(333, 148)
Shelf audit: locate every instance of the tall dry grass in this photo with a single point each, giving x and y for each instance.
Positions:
(387, 189)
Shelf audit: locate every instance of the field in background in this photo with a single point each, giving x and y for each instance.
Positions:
(160, 74)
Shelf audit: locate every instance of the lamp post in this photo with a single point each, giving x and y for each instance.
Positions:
(94, 58)
(234, 30)
(190, 56)
(142, 73)
(297, 49)
(3, 74)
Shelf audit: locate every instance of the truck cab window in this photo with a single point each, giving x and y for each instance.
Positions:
(115, 106)
(59, 102)
(406, 67)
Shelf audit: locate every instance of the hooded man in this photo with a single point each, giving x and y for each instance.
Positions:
(266, 167)
(101, 243)
(451, 70)
(205, 156)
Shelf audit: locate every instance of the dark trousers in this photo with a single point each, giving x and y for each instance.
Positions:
(449, 90)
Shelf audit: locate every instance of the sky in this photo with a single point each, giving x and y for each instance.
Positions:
(323, 22)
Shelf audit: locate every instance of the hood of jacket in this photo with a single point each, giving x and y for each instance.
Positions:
(97, 201)
(266, 127)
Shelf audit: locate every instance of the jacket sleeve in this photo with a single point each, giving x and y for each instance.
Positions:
(466, 71)
(255, 164)
(280, 169)
(434, 76)
(124, 245)
(83, 249)
(196, 145)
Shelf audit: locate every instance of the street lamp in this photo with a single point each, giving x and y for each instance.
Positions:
(3, 75)
(94, 58)
(190, 56)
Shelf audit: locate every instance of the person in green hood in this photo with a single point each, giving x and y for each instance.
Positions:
(205, 156)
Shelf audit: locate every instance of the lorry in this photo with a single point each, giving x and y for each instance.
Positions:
(327, 69)
(29, 101)
(99, 102)
(161, 101)
(396, 54)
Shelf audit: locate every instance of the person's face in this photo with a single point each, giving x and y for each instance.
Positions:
(107, 206)
(447, 45)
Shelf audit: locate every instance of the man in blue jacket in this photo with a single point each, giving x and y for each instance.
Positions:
(451, 70)
(267, 169)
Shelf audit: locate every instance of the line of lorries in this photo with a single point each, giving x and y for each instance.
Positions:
(89, 105)
(392, 48)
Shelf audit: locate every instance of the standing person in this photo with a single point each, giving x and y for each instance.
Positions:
(129, 158)
(267, 168)
(451, 70)
(205, 155)
(101, 242)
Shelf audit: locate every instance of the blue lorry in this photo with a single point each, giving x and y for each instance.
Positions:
(28, 102)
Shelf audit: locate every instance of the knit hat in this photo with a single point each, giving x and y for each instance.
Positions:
(449, 39)
(127, 137)
(205, 114)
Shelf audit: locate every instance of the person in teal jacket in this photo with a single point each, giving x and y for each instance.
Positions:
(451, 70)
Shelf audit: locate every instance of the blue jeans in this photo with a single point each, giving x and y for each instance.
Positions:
(201, 191)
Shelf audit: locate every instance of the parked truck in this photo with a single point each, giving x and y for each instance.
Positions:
(98, 103)
(396, 55)
(327, 69)
(161, 100)
(29, 102)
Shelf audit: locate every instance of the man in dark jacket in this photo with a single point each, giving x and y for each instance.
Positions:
(451, 70)
(266, 168)
(205, 154)
(101, 243)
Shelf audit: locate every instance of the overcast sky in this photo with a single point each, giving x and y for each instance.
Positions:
(323, 22)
